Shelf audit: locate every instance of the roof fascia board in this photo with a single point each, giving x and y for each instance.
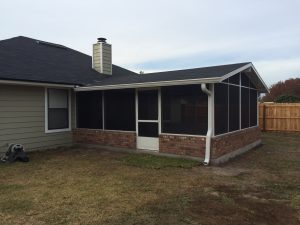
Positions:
(236, 71)
(28, 83)
(266, 87)
(250, 65)
(150, 84)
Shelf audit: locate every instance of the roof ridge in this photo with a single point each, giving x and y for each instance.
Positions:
(167, 71)
(43, 42)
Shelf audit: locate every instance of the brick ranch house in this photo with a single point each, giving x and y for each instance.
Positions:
(51, 96)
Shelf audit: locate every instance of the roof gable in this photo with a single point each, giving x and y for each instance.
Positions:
(27, 59)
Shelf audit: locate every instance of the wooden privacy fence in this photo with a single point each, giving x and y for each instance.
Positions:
(279, 117)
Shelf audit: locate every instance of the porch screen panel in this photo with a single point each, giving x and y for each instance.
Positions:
(119, 106)
(221, 108)
(148, 129)
(245, 107)
(234, 108)
(253, 107)
(244, 80)
(235, 79)
(89, 109)
(184, 110)
(148, 105)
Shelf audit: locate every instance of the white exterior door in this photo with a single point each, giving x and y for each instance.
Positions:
(147, 110)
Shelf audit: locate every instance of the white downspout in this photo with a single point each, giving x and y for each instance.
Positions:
(209, 122)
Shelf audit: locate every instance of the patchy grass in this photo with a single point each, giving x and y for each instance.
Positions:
(90, 186)
(157, 162)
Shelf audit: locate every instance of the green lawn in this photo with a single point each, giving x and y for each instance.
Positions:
(91, 186)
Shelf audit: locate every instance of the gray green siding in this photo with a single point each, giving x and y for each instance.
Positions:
(22, 119)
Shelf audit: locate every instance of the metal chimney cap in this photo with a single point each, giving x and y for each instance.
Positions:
(102, 39)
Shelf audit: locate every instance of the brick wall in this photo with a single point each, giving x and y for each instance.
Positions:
(107, 138)
(227, 143)
(182, 145)
(172, 144)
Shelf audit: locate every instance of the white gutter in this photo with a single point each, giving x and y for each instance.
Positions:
(150, 84)
(210, 121)
(29, 83)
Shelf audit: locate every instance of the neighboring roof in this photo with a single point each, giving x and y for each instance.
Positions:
(26, 59)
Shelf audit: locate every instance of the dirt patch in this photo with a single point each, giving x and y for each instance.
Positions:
(242, 210)
(228, 171)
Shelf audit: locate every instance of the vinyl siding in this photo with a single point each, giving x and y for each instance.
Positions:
(22, 119)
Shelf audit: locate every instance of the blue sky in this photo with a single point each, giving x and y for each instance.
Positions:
(165, 35)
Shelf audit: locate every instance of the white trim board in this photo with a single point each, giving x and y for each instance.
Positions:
(29, 83)
(150, 84)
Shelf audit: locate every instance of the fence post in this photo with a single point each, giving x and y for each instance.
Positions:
(264, 117)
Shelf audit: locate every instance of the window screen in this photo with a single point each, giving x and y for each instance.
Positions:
(148, 129)
(221, 108)
(229, 105)
(148, 105)
(245, 107)
(244, 80)
(251, 84)
(89, 109)
(253, 107)
(234, 108)
(58, 109)
(119, 106)
(184, 110)
(235, 79)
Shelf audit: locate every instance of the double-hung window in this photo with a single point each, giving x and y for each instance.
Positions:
(57, 110)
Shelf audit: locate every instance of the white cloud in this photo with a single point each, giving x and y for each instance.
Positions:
(261, 31)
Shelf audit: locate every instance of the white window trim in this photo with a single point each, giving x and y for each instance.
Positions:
(47, 131)
(185, 135)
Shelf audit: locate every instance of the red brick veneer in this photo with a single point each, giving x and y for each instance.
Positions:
(173, 144)
(182, 145)
(107, 138)
(227, 143)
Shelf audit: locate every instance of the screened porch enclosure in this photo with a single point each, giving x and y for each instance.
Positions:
(180, 109)
(235, 104)
(148, 112)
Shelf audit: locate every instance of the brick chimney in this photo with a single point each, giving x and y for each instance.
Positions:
(102, 61)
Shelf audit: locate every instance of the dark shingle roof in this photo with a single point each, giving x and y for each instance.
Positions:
(25, 59)
(197, 73)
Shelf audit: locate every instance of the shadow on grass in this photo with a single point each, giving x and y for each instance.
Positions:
(157, 162)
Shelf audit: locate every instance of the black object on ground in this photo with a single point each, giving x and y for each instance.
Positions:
(15, 152)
